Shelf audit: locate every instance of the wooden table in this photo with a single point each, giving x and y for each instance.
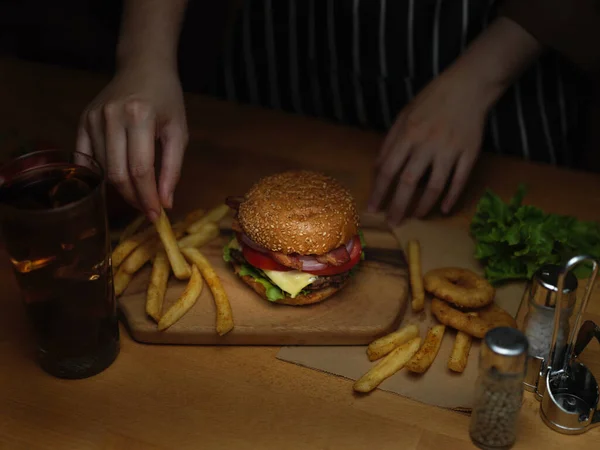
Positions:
(168, 397)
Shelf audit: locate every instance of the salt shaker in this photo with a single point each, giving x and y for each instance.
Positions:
(499, 389)
(538, 325)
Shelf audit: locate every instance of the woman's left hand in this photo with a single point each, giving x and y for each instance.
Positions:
(441, 129)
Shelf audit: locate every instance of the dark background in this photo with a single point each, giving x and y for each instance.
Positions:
(83, 34)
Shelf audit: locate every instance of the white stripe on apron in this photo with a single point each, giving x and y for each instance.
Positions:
(385, 107)
(294, 77)
(543, 114)
(248, 55)
(360, 106)
(465, 24)
(493, 116)
(521, 120)
(270, 37)
(312, 58)
(436, 37)
(410, 39)
(410, 50)
(337, 102)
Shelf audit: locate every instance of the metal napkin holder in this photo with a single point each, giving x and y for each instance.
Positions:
(567, 389)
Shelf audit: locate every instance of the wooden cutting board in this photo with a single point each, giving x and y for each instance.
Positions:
(371, 305)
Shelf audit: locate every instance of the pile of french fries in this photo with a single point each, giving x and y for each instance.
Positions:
(173, 249)
(404, 348)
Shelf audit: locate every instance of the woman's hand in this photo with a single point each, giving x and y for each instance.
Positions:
(441, 129)
(120, 126)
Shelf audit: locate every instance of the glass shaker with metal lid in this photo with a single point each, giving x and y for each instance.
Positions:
(541, 296)
(499, 389)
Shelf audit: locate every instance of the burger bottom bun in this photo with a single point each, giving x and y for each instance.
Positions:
(314, 296)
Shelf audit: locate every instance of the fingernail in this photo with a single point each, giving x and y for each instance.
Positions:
(152, 216)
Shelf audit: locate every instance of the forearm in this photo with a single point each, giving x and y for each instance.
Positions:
(567, 26)
(497, 57)
(150, 32)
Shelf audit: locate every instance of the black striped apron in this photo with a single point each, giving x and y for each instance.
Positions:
(360, 62)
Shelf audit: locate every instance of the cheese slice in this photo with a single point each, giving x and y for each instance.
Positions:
(292, 281)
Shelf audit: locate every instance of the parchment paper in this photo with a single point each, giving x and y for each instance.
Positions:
(440, 246)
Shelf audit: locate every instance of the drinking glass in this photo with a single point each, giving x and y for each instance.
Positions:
(55, 230)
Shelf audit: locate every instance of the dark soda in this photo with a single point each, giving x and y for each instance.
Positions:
(55, 231)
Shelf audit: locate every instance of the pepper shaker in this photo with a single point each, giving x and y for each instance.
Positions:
(541, 295)
(499, 389)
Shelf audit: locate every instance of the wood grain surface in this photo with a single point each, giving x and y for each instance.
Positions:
(240, 397)
(369, 306)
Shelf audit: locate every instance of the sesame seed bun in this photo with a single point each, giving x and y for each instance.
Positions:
(308, 299)
(299, 211)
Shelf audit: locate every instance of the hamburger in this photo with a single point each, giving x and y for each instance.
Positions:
(297, 238)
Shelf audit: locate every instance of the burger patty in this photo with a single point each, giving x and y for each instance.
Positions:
(321, 282)
(334, 281)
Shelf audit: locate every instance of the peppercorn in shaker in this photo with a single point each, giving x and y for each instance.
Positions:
(499, 389)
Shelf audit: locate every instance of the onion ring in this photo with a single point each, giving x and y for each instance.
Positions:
(491, 316)
(461, 287)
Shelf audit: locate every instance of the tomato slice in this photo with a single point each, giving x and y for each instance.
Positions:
(262, 260)
(354, 259)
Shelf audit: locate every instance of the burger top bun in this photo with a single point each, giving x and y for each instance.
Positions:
(299, 212)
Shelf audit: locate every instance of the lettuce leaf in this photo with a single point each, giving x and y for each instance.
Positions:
(273, 292)
(513, 240)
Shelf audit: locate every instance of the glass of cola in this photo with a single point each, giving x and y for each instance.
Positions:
(55, 231)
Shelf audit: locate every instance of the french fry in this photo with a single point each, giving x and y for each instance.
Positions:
(180, 267)
(185, 302)
(147, 251)
(141, 256)
(158, 285)
(205, 234)
(224, 314)
(125, 248)
(121, 280)
(388, 366)
(214, 215)
(193, 216)
(423, 359)
(460, 350)
(416, 277)
(132, 228)
(382, 346)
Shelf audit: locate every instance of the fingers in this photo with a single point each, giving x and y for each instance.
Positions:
(83, 143)
(459, 180)
(390, 141)
(437, 181)
(95, 131)
(387, 172)
(141, 130)
(116, 151)
(411, 175)
(174, 140)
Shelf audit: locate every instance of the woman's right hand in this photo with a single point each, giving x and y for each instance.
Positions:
(120, 126)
